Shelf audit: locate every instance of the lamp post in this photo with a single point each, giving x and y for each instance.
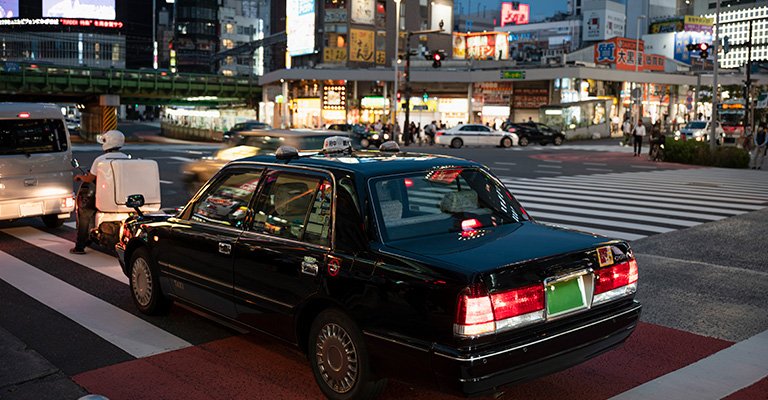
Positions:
(637, 62)
(397, 74)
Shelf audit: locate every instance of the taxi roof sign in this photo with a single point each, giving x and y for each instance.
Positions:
(336, 144)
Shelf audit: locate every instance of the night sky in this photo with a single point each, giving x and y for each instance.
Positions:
(539, 8)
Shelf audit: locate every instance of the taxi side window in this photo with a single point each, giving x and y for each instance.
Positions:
(295, 207)
(226, 202)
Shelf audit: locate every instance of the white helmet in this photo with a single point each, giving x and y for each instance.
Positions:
(111, 140)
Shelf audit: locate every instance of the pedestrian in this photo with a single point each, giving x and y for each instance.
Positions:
(639, 134)
(655, 136)
(111, 142)
(746, 139)
(761, 145)
(530, 120)
(615, 122)
(627, 130)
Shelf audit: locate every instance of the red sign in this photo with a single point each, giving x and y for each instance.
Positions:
(530, 98)
(90, 22)
(625, 52)
(510, 15)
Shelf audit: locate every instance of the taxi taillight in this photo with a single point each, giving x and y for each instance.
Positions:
(616, 281)
(480, 313)
(24, 115)
(439, 133)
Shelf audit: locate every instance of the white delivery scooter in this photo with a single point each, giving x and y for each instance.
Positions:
(116, 179)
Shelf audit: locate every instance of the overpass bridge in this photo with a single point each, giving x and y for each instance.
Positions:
(101, 90)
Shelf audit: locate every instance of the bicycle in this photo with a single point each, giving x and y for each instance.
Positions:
(657, 154)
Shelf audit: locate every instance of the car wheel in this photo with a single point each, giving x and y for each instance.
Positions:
(339, 358)
(145, 285)
(364, 143)
(558, 141)
(506, 142)
(52, 221)
(456, 143)
(523, 141)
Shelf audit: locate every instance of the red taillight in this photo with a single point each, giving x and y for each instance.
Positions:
(469, 224)
(439, 134)
(480, 313)
(617, 276)
(23, 115)
(68, 202)
(518, 302)
(475, 314)
(408, 182)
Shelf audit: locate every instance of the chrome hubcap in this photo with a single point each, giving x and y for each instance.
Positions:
(141, 280)
(336, 358)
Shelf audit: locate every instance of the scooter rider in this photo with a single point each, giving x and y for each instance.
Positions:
(111, 142)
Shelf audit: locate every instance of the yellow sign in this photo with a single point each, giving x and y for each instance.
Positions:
(334, 54)
(381, 57)
(693, 20)
(361, 45)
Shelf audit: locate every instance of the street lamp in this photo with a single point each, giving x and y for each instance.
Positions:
(397, 77)
(637, 62)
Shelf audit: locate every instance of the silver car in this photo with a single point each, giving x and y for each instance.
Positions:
(35, 163)
(699, 131)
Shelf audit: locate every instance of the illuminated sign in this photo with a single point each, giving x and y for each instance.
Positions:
(512, 74)
(510, 15)
(623, 53)
(9, 9)
(334, 97)
(481, 46)
(80, 9)
(300, 27)
(61, 22)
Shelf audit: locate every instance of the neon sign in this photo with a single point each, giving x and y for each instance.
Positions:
(62, 22)
(514, 13)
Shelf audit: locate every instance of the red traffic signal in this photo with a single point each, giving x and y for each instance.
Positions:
(437, 56)
(703, 46)
(398, 95)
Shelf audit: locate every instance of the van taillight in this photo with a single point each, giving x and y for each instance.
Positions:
(23, 115)
(480, 313)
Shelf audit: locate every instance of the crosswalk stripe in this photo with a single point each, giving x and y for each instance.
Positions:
(533, 202)
(607, 214)
(603, 221)
(599, 231)
(124, 330)
(94, 260)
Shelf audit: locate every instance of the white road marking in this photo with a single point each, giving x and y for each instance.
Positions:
(92, 259)
(714, 377)
(124, 330)
(166, 182)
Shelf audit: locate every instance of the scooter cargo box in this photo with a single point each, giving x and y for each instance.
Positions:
(116, 179)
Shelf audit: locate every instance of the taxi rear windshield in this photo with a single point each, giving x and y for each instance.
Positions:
(32, 136)
(442, 201)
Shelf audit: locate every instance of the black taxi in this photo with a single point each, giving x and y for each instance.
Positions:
(387, 265)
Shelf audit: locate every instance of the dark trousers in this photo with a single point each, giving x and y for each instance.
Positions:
(638, 144)
(84, 219)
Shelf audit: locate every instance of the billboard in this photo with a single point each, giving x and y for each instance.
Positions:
(481, 45)
(512, 15)
(624, 53)
(300, 27)
(602, 25)
(9, 8)
(81, 9)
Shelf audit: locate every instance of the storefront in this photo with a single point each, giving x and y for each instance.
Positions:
(306, 113)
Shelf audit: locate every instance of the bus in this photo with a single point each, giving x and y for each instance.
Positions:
(732, 118)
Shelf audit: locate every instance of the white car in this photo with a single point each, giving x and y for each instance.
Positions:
(474, 135)
(699, 131)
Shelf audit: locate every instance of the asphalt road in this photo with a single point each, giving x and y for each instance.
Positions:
(703, 335)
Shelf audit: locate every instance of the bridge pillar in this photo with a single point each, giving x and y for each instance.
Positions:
(100, 115)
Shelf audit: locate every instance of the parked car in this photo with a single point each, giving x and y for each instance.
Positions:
(534, 132)
(360, 135)
(381, 264)
(244, 126)
(73, 125)
(247, 144)
(35, 164)
(475, 135)
(699, 131)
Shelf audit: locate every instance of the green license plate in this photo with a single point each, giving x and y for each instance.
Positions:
(564, 296)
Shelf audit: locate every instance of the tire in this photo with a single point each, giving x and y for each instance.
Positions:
(145, 285)
(523, 141)
(52, 221)
(456, 143)
(364, 143)
(558, 141)
(339, 358)
(506, 142)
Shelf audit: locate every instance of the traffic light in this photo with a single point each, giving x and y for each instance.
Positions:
(691, 47)
(704, 53)
(424, 96)
(437, 56)
(398, 96)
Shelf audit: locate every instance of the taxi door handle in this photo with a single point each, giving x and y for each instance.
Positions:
(225, 248)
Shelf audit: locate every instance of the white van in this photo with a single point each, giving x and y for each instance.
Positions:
(35, 163)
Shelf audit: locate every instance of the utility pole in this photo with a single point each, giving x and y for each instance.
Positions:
(748, 83)
(715, 92)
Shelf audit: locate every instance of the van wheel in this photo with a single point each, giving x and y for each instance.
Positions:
(456, 143)
(339, 358)
(52, 221)
(145, 284)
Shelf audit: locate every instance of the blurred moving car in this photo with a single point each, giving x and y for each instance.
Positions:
(534, 132)
(377, 264)
(360, 135)
(73, 125)
(475, 135)
(249, 143)
(244, 126)
(699, 131)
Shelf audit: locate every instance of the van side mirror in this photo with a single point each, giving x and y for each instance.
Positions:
(135, 201)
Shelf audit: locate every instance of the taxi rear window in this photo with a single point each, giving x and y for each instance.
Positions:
(441, 201)
(30, 136)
